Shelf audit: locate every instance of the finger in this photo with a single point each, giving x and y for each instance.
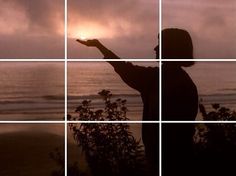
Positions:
(78, 40)
(81, 41)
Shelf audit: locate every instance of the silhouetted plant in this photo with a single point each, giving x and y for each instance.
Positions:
(110, 148)
(218, 113)
(58, 158)
(112, 110)
(216, 142)
(218, 135)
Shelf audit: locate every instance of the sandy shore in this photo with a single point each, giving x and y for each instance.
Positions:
(26, 153)
(25, 149)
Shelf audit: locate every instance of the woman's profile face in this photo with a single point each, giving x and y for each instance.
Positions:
(157, 51)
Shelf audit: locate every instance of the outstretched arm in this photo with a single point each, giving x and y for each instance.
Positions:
(134, 76)
(108, 54)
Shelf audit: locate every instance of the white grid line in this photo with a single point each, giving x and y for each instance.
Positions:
(160, 88)
(160, 60)
(130, 121)
(112, 121)
(31, 122)
(113, 60)
(151, 60)
(65, 118)
(32, 60)
(201, 121)
(116, 60)
(200, 60)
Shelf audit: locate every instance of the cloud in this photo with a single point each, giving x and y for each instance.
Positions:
(107, 12)
(32, 29)
(44, 16)
(128, 27)
(31, 47)
(210, 24)
(35, 29)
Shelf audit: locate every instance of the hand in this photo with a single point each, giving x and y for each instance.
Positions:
(90, 43)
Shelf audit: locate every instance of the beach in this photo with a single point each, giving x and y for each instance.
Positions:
(25, 149)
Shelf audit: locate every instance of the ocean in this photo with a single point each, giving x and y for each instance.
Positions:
(86, 79)
(215, 82)
(35, 90)
(31, 91)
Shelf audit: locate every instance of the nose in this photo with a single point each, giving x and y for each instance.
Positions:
(157, 51)
(156, 48)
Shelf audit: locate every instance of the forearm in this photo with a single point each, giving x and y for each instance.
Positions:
(108, 54)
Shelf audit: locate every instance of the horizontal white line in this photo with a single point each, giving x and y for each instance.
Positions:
(198, 121)
(29, 122)
(113, 121)
(199, 60)
(66, 122)
(32, 60)
(115, 60)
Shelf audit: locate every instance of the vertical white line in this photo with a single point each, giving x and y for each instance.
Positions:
(65, 124)
(160, 88)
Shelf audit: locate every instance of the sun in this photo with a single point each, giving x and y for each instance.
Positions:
(81, 33)
(82, 37)
(89, 31)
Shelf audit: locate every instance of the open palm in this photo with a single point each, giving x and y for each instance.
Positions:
(92, 43)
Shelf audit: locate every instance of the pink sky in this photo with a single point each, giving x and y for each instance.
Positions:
(127, 27)
(35, 29)
(32, 29)
(211, 24)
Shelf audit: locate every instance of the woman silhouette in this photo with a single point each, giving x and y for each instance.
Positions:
(179, 102)
(179, 95)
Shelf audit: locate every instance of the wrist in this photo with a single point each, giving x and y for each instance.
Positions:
(99, 45)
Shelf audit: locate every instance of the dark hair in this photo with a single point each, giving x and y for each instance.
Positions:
(177, 44)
